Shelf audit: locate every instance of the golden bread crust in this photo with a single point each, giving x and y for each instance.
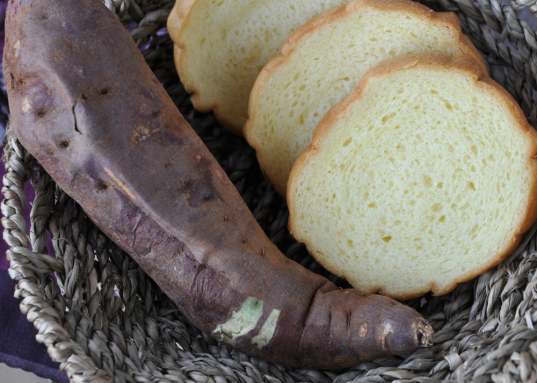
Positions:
(178, 14)
(475, 73)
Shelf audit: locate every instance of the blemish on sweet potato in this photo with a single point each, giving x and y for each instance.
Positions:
(103, 187)
(384, 335)
(145, 252)
(26, 105)
(104, 91)
(74, 116)
(267, 331)
(135, 138)
(171, 159)
(241, 322)
(64, 144)
(363, 330)
(142, 133)
(68, 44)
(120, 183)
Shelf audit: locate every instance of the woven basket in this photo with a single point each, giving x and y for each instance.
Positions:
(109, 322)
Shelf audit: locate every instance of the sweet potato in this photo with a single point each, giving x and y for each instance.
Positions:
(87, 106)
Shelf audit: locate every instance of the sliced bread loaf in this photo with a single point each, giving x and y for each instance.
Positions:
(423, 177)
(221, 46)
(323, 61)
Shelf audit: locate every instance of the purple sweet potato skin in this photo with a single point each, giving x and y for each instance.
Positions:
(86, 105)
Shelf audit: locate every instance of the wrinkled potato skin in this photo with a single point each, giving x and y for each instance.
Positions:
(87, 106)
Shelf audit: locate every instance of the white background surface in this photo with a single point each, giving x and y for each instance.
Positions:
(15, 375)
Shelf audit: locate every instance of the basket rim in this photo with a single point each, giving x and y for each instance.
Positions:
(31, 268)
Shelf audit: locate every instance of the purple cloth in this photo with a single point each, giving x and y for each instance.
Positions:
(18, 347)
(3, 95)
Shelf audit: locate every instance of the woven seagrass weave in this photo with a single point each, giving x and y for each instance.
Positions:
(108, 322)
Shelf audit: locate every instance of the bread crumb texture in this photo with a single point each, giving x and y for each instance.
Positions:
(226, 43)
(322, 67)
(423, 181)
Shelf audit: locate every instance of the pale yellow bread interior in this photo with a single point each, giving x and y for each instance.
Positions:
(423, 177)
(222, 45)
(323, 61)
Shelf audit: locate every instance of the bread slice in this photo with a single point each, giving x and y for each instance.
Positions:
(422, 178)
(323, 61)
(221, 46)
